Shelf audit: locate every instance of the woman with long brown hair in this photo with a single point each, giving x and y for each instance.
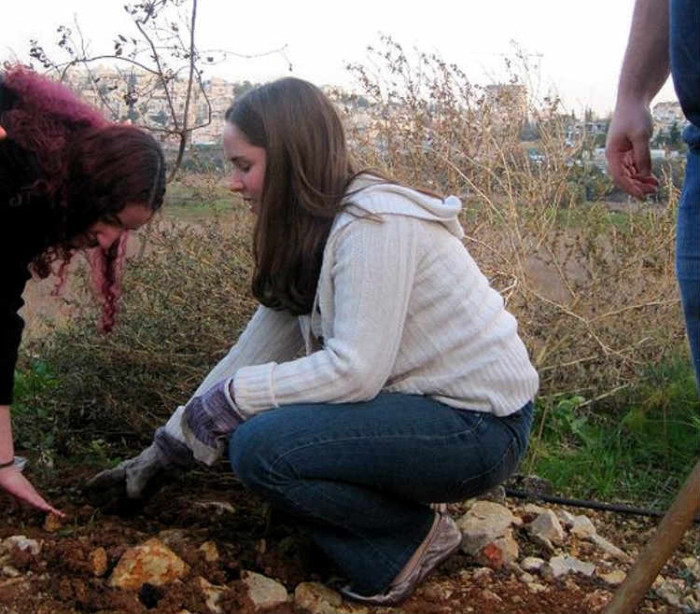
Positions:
(69, 181)
(381, 371)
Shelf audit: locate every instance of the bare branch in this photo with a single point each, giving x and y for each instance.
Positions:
(188, 97)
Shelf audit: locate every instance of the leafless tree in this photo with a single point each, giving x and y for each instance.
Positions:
(157, 80)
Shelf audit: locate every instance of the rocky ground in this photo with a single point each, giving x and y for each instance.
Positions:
(205, 544)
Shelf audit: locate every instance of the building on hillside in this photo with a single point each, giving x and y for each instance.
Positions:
(669, 122)
(139, 96)
(665, 113)
(211, 111)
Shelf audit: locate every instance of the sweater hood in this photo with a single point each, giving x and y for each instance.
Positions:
(374, 196)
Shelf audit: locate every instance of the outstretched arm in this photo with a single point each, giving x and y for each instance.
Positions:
(11, 479)
(645, 69)
(270, 335)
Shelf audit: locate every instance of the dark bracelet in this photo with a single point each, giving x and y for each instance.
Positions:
(7, 464)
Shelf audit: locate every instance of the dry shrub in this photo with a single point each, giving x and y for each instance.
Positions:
(593, 288)
(185, 302)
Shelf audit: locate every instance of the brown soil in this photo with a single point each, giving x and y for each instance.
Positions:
(60, 579)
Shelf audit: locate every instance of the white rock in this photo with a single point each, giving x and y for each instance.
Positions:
(583, 527)
(611, 549)
(531, 509)
(547, 528)
(527, 578)
(535, 587)
(561, 565)
(614, 578)
(314, 595)
(482, 524)
(531, 563)
(264, 592)
(566, 517)
(32, 546)
(482, 572)
(316, 598)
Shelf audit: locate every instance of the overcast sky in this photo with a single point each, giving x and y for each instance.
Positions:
(578, 46)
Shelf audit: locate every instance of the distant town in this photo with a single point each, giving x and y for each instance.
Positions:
(139, 97)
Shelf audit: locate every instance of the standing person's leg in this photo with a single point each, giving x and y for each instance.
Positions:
(684, 26)
(688, 254)
(359, 475)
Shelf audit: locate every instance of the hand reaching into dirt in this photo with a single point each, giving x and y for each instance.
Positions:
(15, 483)
(129, 484)
(209, 419)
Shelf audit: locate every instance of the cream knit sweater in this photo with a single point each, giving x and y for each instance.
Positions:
(401, 307)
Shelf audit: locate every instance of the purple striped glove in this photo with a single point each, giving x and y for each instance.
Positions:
(209, 419)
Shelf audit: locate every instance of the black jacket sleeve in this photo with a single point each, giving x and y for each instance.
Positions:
(15, 252)
(13, 278)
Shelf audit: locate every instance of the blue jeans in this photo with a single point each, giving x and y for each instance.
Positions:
(688, 254)
(685, 68)
(359, 475)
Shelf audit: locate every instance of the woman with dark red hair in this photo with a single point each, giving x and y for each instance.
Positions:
(69, 180)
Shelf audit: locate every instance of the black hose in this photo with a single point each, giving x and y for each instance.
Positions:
(594, 505)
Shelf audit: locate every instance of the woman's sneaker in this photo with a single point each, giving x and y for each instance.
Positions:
(444, 538)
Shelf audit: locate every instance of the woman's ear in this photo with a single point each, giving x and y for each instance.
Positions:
(3, 134)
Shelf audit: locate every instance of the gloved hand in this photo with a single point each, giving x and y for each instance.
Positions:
(206, 422)
(129, 484)
(209, 419)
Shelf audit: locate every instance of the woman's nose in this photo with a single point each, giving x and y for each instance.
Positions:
(236, 185)
(106, 237)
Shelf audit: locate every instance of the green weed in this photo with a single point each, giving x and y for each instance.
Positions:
(639, 449)
(33, 424)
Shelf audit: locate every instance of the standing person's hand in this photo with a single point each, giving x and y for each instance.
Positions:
(16, 484)
(627, 149)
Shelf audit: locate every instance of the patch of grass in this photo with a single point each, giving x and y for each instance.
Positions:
(640, 454)
(33, 424)
(198, 211)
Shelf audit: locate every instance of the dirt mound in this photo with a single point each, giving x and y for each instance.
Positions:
(219, 529)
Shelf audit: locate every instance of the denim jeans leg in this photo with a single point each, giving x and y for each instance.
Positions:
(359, 475)
(688, 254)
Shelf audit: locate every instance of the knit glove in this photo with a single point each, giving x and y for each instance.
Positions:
(208, 421)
